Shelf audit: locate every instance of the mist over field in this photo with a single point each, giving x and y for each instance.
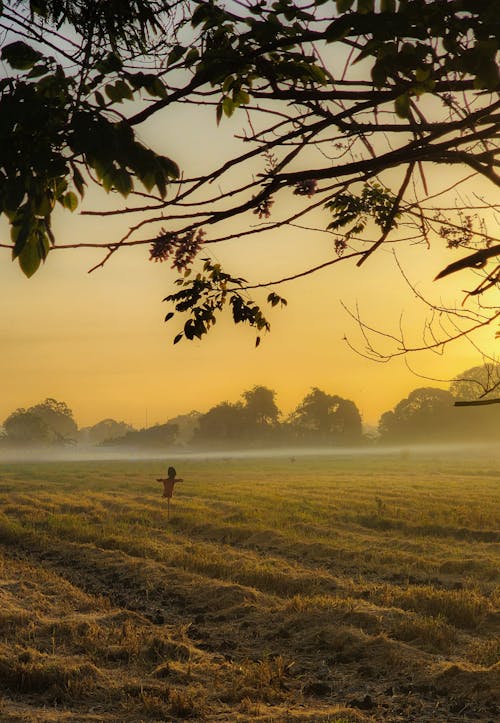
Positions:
(81, 453)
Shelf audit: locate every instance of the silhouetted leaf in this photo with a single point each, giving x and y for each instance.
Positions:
(20, 55)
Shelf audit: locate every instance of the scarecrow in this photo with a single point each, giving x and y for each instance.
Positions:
(168, 485)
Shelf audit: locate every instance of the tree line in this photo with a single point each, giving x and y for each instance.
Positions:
(427, 414)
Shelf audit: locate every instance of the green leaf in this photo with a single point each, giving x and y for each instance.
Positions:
(422, 74)
(30, 259)
(228, 106)
(20, 56)
(70, 201)
(218, 113)
(402, 105)
(19, 233)
(228, 84)
(242, 98)
(169, 167)
(122, 181)
(148, 180)
(316, 73)
(44, 207)
(78, 180)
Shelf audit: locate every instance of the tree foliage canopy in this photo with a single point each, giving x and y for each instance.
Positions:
(345, 107)
(428, 413)
(327, 417)
(49, 422)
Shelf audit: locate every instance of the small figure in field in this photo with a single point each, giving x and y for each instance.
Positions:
(168, 486)
(169, 482)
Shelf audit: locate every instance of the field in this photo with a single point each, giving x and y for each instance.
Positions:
(335, 589)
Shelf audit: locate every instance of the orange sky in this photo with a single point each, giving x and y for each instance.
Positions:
(98, 341)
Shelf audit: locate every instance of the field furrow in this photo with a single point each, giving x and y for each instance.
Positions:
(320, 590)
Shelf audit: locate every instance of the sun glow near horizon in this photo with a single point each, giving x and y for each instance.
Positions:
(97, 341)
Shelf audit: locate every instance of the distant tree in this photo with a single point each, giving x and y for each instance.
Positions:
(478, 383)
(107, 429)
(253, 421)
(479, 390)
(223, 423)
(260, 405)
(427, 414)
(326, 418)
(186, 425)
(45, 423)
(159, 436)
(58, 417)
(23, 427)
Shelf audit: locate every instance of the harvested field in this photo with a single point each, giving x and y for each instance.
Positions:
(335, 589)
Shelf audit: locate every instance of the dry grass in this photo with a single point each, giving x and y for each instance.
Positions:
(335, 589)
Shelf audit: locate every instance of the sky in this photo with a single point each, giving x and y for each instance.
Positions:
(98, 342)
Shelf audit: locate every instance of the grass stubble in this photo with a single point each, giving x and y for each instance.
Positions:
(335, 589)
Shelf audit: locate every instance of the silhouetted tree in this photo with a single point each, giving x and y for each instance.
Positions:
(55, 424)
(23, 427)
(255, 421)
(223, 423)
(426, 415)
(159, 436)
(479, 386)
(326, 418)
(478, 383)
(107, 429)
(186, 425)
(260, 405)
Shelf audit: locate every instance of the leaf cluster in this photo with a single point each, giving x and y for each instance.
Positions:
(373, 86)
(204, 296)
(374, 202)
(56, 134)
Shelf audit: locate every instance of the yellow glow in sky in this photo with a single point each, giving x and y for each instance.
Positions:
(97, 341)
